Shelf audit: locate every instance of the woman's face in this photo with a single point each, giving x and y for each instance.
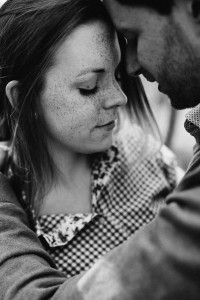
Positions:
(81, 96)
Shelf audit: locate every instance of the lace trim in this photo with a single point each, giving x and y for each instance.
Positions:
(61, 228)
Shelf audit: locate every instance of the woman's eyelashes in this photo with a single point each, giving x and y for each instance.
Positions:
(92, 90)
(88, 91)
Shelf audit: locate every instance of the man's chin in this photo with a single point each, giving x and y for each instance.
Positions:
(180, 103)
(179, 100)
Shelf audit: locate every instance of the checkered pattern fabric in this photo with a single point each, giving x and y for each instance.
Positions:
(128, 187)
(192, 122)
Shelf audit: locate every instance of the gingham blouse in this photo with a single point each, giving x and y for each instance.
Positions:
(127, 189)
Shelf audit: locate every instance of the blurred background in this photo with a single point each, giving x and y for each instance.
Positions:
(171, 124)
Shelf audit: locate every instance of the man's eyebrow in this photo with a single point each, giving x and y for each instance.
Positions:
(90, 70)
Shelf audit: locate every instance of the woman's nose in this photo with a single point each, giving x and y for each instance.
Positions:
(116, 97)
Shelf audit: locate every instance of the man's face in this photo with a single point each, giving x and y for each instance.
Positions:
(162, 48)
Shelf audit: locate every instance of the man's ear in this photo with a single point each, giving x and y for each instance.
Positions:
(12, 91)
(195, 9)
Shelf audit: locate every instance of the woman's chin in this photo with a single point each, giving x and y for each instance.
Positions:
(105, 144)
(100, 146)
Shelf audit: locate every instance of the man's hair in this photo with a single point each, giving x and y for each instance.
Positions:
(163, 7)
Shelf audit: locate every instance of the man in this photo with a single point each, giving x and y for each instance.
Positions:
(162, 261)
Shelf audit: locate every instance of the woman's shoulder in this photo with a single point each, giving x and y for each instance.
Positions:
(133, 143)
(10, 206)
(131, 140)
(6, 191)
(140, 150)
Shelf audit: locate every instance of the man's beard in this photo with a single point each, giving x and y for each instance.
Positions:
(180, 72)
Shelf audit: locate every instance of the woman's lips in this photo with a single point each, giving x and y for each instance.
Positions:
(108, 126)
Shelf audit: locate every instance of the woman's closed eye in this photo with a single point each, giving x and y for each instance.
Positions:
(88, 91)
(92, 88)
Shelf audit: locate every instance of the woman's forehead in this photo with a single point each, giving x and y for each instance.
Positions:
(88, 45)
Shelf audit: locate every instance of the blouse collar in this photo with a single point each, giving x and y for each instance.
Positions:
(67, 225)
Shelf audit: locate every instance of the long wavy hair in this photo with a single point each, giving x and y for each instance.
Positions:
(30, 33)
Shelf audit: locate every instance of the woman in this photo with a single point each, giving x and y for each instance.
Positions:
(83, 179)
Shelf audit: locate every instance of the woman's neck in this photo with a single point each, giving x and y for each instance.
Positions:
(70, 191)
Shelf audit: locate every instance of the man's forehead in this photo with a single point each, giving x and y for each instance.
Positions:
(126, 17)
(162, 7)
(117, 11)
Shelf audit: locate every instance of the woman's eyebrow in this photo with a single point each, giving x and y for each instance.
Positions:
(90, 70)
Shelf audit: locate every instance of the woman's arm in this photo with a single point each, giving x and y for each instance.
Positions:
(26, 270)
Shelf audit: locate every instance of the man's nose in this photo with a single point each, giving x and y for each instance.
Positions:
(132, 64)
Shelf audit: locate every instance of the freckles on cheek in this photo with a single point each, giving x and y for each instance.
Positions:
(58, 100)
(53, 99)
(93, 110)
(71, 114)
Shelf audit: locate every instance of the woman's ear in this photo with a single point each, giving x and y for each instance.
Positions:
(12, 91)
